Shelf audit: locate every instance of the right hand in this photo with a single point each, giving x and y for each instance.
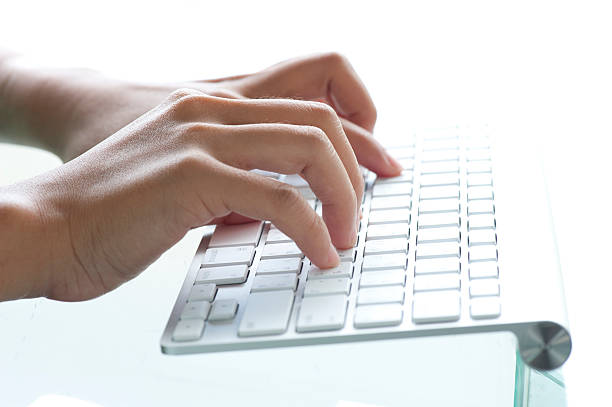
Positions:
(113, 210)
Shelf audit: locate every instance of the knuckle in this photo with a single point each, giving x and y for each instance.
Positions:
(315, 135)
(190, 162)
(287, 196)
(323, 111)
(181, 93)
(335, 58)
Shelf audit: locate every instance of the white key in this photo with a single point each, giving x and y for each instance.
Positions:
(401, 152)
(384, 261)
(434, 220)
(382, 278)
(476, 193)
(387, 231)
(397, 245)
(476, 207)
(222, 310)
(399, 188)
(484, 221)
(266, 313)
(324, 313)
(319, 210)
(436, 306)
(405, 176)
(276, 236)
(279, 250)
(436, 180)
(327, 286)
(268, 174)
(482, 253)
(479, 179)
(441, 144)
(440, 155)
(433, 250)
(485, 307)
(439, 167)
(203, 292)
(227, 256)
(484, 269)
(274, 282)
(196, 309)
(441, 234)
(188, 330)
(406, 163)
(440, 192)
(391, 202)
(476, 167)
(306, 193)
(347, 254)
(344, 269)
(312, 203)
(439, 205)
(483, 236)
(381, 295)
(478, 155)
(484, 287)
(371, 316)
(437, 265)
(276, 266)
(236, 235)
(389, 216)
(437, 282)
(223, 275)
(295, 180)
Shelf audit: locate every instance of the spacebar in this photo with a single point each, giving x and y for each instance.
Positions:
(266, 313)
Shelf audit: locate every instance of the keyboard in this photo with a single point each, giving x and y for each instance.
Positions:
(426, 263)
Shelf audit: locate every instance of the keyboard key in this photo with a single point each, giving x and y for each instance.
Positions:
(482, 253)
(266, 313)
(279, 250)
(236, 235)
(223, 310)
(440, 234)
(371, 316)
(276, 266)
(435, 220)
(439, 167)
(307, 193)
(389, 216)
(227, 256)
(382, 278)
(441, 144)
(401, 152)
(485, 307)
(478, 155)
(474, 180)
(203, 292)
(477, 207)
(440, 155)
(327, 286)
(477, 167)
(405, 176)
(347, 254)
(477, 193)
(274, 282)
(196, 309)
(188, 330)
(387, 231)
(295, 180)
(381, 295)
(433, 250)
(437, 282)
(399, 188)
(406, 163)
(484, 287)
(484, 269)
(439, 205)
(396, 245)
(384, 261)
(436, 306)
(483, 236)
(484, 221)
(437, 265)
(345, 269)
(324, 313)
(437, 180)
(440, 192)
(223, 275)
(391, 202)
(276, 236)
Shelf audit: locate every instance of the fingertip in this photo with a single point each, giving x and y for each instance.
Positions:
(394, 166)
(333, 259)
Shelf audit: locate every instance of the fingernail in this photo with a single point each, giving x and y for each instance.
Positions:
(332, 257)
(393, 162)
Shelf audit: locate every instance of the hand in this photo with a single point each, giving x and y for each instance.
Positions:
(107, 214)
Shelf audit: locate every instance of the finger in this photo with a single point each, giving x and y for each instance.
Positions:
(292, 149)
(258, 197)
(370, 153)
(328, 76)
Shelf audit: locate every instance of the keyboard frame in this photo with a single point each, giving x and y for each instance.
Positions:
(536, 314)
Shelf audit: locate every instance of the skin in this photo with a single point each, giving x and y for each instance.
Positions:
(145, 163)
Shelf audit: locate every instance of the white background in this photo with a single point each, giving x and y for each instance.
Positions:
(536, 68)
